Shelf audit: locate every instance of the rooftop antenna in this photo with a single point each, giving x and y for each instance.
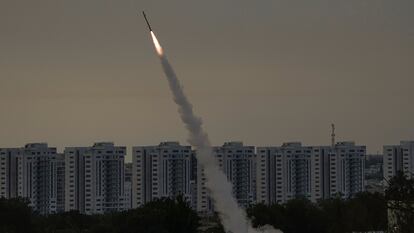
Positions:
(333, 135)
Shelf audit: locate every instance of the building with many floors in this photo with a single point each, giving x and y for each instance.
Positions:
(161, 171)
(290, 171)
(33, 172)
(128, 185)
(313, 172)
(94, 178)
(60, 182)
(346, 168)
(398, 158)
(238, 162)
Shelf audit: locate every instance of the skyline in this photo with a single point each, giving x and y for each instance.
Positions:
(129, 149)
(84, 71)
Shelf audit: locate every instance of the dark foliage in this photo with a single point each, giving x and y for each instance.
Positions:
(214, 223)
(365, 212)
(161, 216)
(400, 197)
(15, 216)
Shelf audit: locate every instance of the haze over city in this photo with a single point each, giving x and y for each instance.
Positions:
(75, 72)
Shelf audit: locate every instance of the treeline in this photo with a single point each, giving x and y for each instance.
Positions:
(365, 212)
(161, 216)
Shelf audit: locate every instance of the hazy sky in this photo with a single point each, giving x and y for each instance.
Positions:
(264, 72)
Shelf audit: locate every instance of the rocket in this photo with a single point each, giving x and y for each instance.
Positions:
(146, 20)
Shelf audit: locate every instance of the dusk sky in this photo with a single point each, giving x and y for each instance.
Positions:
(264, 72)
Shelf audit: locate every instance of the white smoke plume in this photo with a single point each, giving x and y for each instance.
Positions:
(233, 218)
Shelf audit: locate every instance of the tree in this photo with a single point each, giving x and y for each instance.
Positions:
(161, 216)
(211, 224)
(303, 216)
(335, 214)
(15, 216)
(68, 222)
(363, 213)
(262, 215)
(296, 216)
(400, 199)
(372, 212)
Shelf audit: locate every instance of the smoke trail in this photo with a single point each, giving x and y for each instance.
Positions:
(232, 216)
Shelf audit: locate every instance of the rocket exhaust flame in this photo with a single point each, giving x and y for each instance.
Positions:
(157, 44)
(232, 216)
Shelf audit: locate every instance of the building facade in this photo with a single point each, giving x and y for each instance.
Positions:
(32, 172)
(291, 171)
(161, 171)
(128, 185)
(347, 169)
(60, 182)
(398, 158)
(238, 162)
(313, 172)
(95, 178)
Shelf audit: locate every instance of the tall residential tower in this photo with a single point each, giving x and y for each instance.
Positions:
(314, 172)
(32, 172)
(95, 178)
(161, 171)
(238, 162)
(398, 158)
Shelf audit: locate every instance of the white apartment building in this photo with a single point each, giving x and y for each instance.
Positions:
(313, 172)
(346, 169)
(60, 182)
(32, 172)
(238, 162)
(161, 171)
(128, 185)
(9, 171)
(398, 158)
(290, 171)
(95, 178)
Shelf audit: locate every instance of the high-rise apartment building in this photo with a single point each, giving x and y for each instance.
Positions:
(32, 172)
(238, 162)
(161, 171)
(60, 182)
(346, 168)
(128, 185)
(398, 158)
(290, 171)
(8, 172)
(95, 178)
(313, 172)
